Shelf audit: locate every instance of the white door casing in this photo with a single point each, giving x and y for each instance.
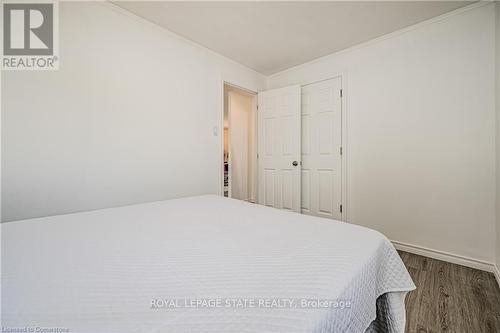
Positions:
(321, 149)
(279, 148)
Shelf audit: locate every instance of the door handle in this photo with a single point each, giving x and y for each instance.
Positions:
(295, 163)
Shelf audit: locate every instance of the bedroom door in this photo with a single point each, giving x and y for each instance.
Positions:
(321, 149)
(279, 143)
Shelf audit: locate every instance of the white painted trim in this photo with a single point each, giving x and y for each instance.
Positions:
(448, 257)
(394, 34)
(221, 137)
(249, 91)
(255, 110)
(345, 150)
(229, 156)
(242, 89)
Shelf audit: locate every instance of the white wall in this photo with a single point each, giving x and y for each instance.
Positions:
(498, 132)
(421, 132)
(128, 117)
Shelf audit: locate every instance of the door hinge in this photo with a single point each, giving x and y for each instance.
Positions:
(340, 150)
(341, 93)
(341, 208)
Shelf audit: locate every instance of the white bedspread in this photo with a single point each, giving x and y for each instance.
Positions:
(109, 271)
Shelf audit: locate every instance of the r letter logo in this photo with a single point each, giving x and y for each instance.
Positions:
(29, 36)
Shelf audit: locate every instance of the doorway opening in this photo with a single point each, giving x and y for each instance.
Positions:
(240, 144)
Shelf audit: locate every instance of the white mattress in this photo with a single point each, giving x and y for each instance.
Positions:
(100, 271)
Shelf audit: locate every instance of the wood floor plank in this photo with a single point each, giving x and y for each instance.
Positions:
(450, 298)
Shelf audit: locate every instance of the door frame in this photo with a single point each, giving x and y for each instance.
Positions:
(345, 151)
(221, 133)
(343, 112)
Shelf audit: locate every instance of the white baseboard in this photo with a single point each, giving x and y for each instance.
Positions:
(497, 274)
(449, 257)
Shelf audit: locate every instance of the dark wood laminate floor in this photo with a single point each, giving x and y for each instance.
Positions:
(450, 298)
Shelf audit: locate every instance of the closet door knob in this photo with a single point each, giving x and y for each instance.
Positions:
(295, 163)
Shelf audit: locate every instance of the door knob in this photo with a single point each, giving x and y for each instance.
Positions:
(295, 163)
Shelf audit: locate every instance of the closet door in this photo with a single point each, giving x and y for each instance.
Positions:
(279, 143)
(321, 149)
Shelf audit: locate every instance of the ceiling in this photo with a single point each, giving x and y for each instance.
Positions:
(272, 36)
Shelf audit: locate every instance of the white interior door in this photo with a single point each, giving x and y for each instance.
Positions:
(279, 138)
(321, 149)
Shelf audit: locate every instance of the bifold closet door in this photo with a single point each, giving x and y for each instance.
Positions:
(321, 149)
(279, 144)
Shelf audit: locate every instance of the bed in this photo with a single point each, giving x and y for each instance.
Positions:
(199, 264)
